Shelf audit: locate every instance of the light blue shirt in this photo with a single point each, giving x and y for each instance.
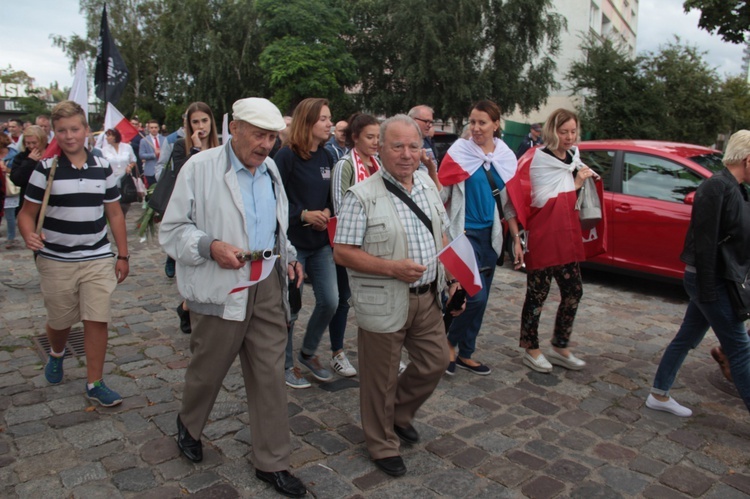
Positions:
(259, 201)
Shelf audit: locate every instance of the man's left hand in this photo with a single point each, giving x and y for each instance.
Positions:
(122, 269)
(294, 270)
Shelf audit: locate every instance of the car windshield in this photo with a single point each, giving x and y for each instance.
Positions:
(709, 161)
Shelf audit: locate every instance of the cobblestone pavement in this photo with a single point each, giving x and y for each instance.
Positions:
(514, 433)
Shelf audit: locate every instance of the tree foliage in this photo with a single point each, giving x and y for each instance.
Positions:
(412, 53)
(305, 53)
(671, 94)
(729, 18)
(736, 96)
(617, 97)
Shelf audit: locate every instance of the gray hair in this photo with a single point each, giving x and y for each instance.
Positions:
(399, 118)
(413, 112)
(738, 148)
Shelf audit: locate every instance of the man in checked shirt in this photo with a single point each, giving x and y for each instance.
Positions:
(389, 249)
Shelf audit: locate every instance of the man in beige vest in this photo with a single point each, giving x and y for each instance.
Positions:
(389, 249)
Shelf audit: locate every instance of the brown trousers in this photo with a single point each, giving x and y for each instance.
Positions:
(386, 398)
(260, 341)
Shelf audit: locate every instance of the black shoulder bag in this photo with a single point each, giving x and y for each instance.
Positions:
(393, 189)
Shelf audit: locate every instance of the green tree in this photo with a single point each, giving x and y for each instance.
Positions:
(736, 93)
(522, 40)
(411, 53)
(10, 75)
(671, 94)
(132, 24)
(305, 53)
(208, 51)
(690, 91)
(618, 97)
(729, 18)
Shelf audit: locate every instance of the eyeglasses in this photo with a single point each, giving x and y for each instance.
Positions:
(429, 123)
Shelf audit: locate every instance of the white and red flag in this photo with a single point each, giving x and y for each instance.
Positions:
(79, 93)
(259, 270)
(464, 158)
(545, 198)
(113, 119)
(460, 260)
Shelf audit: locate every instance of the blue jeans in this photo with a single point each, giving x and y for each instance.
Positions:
(730, 331)
(465, 328)
(10, 218)
(321, 270)
(337, 326)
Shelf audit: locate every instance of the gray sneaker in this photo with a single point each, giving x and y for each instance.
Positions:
(313, 364)
(294, 378)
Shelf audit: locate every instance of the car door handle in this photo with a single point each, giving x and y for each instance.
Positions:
(623, 207)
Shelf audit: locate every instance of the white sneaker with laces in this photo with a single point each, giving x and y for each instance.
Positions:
(341, 365)
(670, 406)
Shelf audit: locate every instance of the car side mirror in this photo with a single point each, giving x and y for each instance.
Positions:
(690, 198)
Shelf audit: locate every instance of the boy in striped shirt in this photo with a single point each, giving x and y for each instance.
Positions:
(74, 258)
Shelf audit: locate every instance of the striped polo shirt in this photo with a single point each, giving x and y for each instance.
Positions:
(75, 228)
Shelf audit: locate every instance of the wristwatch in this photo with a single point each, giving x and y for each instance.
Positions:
(126, 258)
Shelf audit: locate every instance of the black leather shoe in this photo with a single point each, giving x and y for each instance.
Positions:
(190, 447)
(408, 434)
(184, 316)
(393, 466)
(284, 482)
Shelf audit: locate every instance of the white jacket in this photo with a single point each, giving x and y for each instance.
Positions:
(206, 205)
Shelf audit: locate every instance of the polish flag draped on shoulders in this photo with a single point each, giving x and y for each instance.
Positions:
(464, 158)
(259, 270)
(549, 214)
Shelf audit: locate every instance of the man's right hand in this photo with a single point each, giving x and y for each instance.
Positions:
(225, 255)
(407, 270)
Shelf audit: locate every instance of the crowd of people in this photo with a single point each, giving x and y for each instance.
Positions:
(361, 210)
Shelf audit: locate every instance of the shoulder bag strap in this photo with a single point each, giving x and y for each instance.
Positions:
(393, 189)
(495, 192)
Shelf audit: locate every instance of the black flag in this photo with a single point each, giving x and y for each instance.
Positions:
(111, 73)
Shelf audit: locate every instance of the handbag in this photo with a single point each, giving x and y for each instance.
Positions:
(140, 187)
(128, 190)
(163, 191)
(739, 297)
(588, 205)
(11, 189)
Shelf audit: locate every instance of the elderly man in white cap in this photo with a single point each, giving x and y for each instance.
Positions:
(226, 228)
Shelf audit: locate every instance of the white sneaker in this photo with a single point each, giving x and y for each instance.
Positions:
(540, 364)
(341, 365)
(401, 367)
(670, 406)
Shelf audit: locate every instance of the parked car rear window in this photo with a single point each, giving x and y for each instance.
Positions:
(709, 161)
(657, 178)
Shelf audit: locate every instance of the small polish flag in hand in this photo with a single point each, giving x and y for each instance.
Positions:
(259, 270)
(459, 258)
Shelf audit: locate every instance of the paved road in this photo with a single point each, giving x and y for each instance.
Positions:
(514, 433)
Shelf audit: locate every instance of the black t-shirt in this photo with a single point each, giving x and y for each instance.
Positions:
(308, 187)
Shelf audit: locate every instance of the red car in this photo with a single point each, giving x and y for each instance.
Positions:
(649, 188)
